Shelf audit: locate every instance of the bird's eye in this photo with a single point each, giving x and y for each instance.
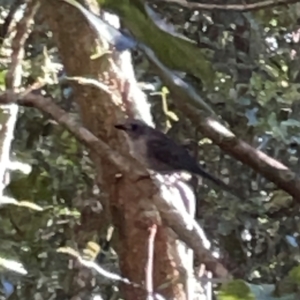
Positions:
(134, 127)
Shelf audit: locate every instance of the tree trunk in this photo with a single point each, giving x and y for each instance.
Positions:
(125, 198)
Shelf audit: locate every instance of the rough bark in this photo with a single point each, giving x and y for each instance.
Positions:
(131, 212)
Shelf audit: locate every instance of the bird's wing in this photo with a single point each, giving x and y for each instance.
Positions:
(165, 155)
(167, 152)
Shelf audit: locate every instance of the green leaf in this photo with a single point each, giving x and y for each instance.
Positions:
(235, 290)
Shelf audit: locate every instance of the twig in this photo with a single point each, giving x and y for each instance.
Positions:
(34, 87)
(231, 7)
(89, 81)
(92, 265)
(13, 76)
(5, 26)
(149, 267)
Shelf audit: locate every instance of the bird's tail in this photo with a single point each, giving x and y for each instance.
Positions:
(216, 181)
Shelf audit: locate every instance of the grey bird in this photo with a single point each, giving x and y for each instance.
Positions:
(157, 152)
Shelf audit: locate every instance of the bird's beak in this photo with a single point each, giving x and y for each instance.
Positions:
(121, 126)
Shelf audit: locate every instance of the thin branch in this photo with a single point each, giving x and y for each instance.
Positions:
(46, 105)
(89, 81)
(177, 220)
(13, 81)
(231, 7)
(13, 76)
(149, 267)
(7, 22)
(193, 237)
(101, 271)
(183, 96)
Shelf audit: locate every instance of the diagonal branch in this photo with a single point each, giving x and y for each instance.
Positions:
(184, 97)
(170, 215)
(46, 105)
(231, 7)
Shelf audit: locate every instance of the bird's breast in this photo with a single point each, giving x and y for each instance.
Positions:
(138, 150)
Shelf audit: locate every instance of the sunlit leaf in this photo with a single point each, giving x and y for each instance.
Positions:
(12, 265)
